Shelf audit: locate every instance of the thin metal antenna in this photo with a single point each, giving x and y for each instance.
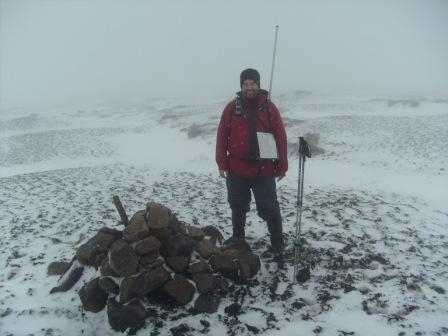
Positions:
(273, 61)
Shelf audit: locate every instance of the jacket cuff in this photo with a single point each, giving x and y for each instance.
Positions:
(280, 170)
(222, 166)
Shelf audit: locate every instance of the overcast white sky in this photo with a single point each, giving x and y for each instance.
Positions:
(79, 51)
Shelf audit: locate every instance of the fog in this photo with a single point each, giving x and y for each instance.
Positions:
(81, 52)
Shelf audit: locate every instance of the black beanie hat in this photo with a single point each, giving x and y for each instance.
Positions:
(250, 74)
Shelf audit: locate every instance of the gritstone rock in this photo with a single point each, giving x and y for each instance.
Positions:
(70, 278)
(93, 298)
(225, 265)
(149, 258)
(199, 267)
(122, 259)
(158, 216)
(137, 228)
(156, 264)
(176, 226)
(147, 245)
(179, 289)
(108, 285)
(161, 234)
(137, 286)
(178, 264)
(57, 267)
(222, 286)
(179, 245)
(195, 232)
(98, 245)
(135, 231)
(105, 269)
(205, 282)
(205, 248)
(206, 303)
(213, 233)
(122, 316)
(138, 218)
(116, 233)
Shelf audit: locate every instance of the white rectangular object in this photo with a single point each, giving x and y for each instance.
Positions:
(267, 146)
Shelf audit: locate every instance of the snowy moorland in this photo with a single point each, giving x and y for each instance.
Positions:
(375, 214)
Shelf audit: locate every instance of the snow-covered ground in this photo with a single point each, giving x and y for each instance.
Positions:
(375, 212)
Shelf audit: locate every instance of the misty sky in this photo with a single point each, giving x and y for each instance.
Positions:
(80, 52)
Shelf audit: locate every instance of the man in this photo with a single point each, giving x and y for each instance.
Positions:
(238, 157)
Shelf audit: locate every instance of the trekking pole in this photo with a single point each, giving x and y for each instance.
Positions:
(273, 62)
(304, 151)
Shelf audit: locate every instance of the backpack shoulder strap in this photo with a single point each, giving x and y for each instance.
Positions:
(265, 109)
(238, 106)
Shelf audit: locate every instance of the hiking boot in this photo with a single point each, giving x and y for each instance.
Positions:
(276, 234)
(233, 240)
(279, 247)
(274, 251)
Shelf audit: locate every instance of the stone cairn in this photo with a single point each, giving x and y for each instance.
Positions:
(155, 256)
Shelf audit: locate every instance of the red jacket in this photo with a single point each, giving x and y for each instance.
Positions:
(233, 139)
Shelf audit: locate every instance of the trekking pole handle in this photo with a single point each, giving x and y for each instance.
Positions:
(273, 62)
(304, 148)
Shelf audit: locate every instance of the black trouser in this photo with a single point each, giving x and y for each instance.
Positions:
(265, 193)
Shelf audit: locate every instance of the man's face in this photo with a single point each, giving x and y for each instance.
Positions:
(250, 88)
